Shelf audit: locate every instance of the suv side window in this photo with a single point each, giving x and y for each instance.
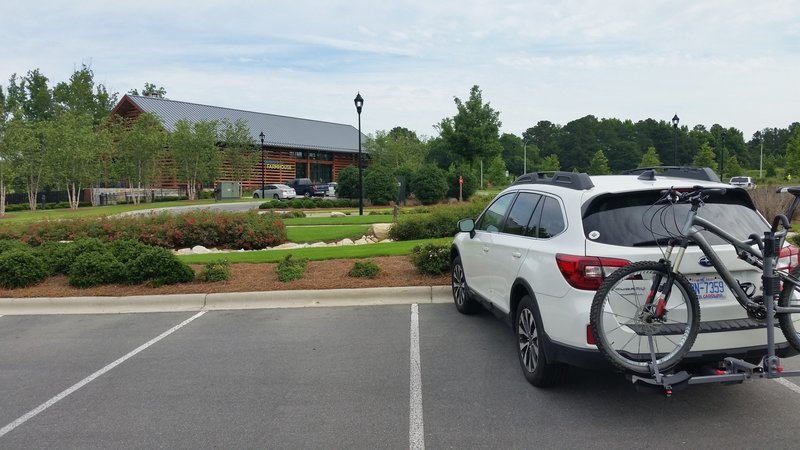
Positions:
(520, 215)
(549, 218)
(492, 218)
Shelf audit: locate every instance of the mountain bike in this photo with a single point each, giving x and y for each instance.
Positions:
(645, 317)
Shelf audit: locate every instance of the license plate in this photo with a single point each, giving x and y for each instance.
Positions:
(708, 287)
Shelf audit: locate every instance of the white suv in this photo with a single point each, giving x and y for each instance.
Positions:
(538, 252)
(745, 182)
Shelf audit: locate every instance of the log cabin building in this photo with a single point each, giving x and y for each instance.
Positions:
(295, 148)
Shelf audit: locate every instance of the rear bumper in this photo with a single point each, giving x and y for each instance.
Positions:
(592, 359)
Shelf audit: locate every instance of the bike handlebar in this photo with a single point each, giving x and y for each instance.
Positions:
(780, 219)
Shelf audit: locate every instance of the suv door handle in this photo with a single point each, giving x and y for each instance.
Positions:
(485, 249)
(516, 255)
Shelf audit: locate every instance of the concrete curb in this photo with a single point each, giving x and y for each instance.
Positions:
(225, 301)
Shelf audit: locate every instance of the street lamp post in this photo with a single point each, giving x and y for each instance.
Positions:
(761, 157)
(524, 157)
(675, 121)
(263, 163)
(722, 157)
(359, 101)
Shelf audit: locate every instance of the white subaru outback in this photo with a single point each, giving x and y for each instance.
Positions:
(538, 252)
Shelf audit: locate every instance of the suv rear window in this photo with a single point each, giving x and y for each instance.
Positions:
(740, 180)
(626, 219)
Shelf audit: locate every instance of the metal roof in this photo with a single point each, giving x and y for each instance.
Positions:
(280, 131)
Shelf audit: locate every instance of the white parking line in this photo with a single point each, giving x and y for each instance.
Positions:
(416, 430)
(788, 384)
(90, 378)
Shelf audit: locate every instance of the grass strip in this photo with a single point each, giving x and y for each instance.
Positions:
(346, 220)
(315, 254)
(325, 233)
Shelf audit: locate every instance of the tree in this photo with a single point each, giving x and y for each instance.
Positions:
(17, 136)
(732, 166)
(793, 153)
(140, 152)
(429, 184)
(706, 158)
(599, 164)
(74, 159)
(545, 136)
(240, 154)
(496, 171)
(473, 133)
(514, 150)
(150, 90)
(468, 175)
(22, 142)
(380, 185)
(80, 95)
(399, 148)
(195, 152)
(38, 101)
(650, 158)
(550, 163)
(347, 183)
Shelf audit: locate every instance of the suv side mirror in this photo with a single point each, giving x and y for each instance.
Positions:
(467, 226)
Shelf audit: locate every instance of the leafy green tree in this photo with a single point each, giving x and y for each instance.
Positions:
(496, 171)
(399, 148)
(770, 166)
(240, 154)
(80, 95)
(196, 154)
(16, 137)
(347, 183)
(38, 103)
(550, 163)
(140, 153)
(514, 150)
(545, 136)
(470, 178)
(74, 159)
(706, 158)
(380, 185)
(473, 133)
(22, 142)
(732, 166)
(150, 90)
(599, 164)
(429, 184)
(793, 153)
(650, 158)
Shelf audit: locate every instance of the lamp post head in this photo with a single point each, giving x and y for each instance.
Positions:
(675, 121)
(262, 136)
(359, 101)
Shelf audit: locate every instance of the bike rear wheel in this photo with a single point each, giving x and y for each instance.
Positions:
(622, 318)
(790, 322)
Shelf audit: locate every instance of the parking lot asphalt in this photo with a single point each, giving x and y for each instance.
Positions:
(223, 301)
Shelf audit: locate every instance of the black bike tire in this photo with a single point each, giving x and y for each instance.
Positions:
(785, 319)
(596, 312)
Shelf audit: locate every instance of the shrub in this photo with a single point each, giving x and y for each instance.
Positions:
(9, 245)
(56, 256)
(471, 181)
(20, 268)
(95, 268)
(158, 266)
(441, 222)
(347, 183)
(216, 271)
(429, 184)
(292, 214)
(126, 250)
(431, 259)
(290, 269)
(364, 269)
(380, 185)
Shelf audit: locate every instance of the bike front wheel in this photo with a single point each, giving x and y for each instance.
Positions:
(642, 312)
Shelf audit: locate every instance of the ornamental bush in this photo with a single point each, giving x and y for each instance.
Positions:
(216, 271)
(347, 183)
(9, 245)
(380, 185)
(431, 259)
(364, 269)
(95, 268)
(126, 250)
(429, 184)
(158, 266)
(290, 269)
(20, 268)
(441, 222)
(56, 256)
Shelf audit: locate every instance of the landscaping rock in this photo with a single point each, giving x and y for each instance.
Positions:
(184, 251)
(288, 246)
(380, 230)
(345, 242)
(338, 214)
(200, 250)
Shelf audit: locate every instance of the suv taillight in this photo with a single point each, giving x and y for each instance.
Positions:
(787, 258)
(587, 272)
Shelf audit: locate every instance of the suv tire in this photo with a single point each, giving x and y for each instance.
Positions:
(465, 304)
(531, 347)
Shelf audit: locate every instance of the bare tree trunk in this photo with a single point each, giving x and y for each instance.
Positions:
(2, 199)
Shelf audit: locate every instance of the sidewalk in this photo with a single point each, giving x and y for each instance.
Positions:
(223, 301)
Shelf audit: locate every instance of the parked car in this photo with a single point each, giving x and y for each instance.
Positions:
(275, 191)
(306, 188)
(539, 251)
(745, 182)
(331, 191)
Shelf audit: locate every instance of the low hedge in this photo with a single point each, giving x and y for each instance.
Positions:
(310, 203)
(441, 222)
(247, 231)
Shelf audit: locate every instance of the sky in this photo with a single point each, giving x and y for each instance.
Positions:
(731, 62)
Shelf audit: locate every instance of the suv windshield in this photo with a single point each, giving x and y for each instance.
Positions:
(631, 219)
(739, 180)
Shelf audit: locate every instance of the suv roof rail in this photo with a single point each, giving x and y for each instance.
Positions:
(694, 173)
(571, 180)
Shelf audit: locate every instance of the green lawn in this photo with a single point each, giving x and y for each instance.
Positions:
(325, 233)
(315, 254)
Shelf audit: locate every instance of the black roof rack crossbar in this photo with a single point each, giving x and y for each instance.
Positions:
(571, 180)
(694, 173)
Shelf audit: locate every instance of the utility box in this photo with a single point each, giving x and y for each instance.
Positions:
(227, 190)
